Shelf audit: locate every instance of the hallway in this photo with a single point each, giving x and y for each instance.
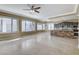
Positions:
(39, 44)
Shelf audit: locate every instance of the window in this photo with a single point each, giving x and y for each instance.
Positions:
(0, 24)
(23, 25)
(8, 24)
(28, 26)
(33, 26)
(50, 26)
(39, 26)
(43, 26)
(14, 26)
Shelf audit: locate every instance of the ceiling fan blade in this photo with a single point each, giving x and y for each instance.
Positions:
(36, 11)
(37, 8)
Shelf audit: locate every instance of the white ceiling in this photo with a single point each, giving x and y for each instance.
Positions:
(62, 19)
(46, 11)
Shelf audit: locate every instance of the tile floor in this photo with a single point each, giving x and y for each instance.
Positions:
(39, 44)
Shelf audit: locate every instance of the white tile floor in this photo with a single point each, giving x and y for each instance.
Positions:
(39, 44)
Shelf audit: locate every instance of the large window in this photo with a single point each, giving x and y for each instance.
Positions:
(14, 26)
(50, 26)
(28, 26)
(33, 26)
(23, 25)
(0, 24)
(39, 26)
(43, 26)
(8, 24)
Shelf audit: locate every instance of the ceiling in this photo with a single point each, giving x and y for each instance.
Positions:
(47, 11)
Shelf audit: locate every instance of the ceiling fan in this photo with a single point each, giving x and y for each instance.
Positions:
(33, 8)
